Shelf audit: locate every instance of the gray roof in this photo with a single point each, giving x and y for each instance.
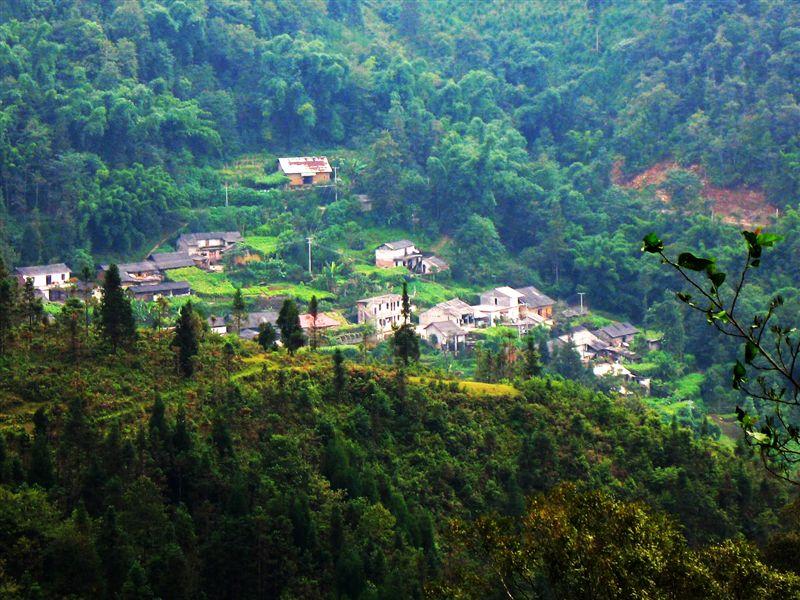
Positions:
(255, 319)
(42, 270)
(534, 298)
(436, 261)
(617, 330)
(143, 266)
(248, 334)
(399, 244)
(172, 260)
(214, 321)
(192, 238)
(447, 327)
(159, 288)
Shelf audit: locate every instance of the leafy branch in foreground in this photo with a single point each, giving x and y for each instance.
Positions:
(768, 370)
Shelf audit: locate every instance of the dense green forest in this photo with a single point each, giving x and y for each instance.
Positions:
(509, 133)
(259, 475)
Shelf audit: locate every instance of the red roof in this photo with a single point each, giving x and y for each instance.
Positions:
(323, 321)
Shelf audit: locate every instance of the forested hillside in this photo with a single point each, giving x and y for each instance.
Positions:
(111, 112)
(267, 476)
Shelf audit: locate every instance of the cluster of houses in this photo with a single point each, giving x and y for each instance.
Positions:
(404, 253)
(144, 280)
(447, 324)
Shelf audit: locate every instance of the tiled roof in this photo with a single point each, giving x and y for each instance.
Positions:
(42, 270)
(172, 260)
(447, 327)
(534, 298)
(383, 298)
(305, 165)
(192, 238)
(157, 288)
(618, 330)
(398, 245)
(323, 321)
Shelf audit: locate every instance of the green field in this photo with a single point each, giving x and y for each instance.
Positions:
(218, 285)
(263, 244)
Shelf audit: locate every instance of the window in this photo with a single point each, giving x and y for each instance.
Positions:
(48, 279)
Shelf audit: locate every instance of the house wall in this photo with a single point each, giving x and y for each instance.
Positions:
(322, 178)
(40, 281)
(498, 300)
(382, 315)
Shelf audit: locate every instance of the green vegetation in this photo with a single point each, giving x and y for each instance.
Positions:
(261, 243)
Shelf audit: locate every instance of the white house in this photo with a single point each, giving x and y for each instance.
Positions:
(44, 277)
(455, 310)
(383, 312)
(402, 253)
(305, 170)
(432, 264)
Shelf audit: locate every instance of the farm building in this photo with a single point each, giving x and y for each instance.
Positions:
(402, 253)
(432, 264)
(45, 278)
(322, 321)
(617, 334)
(445, 335)
(144, 271)
(153, 291)
(171, 260)
(306, 170)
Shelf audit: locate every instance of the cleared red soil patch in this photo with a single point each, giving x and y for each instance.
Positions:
(740, 206)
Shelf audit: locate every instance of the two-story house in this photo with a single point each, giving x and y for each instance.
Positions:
(208, 246)
(382, 312)
(402, 253)
(499, 304)
(535, 302)
(45, 278)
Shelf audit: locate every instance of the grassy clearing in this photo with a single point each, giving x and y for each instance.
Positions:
(688, 386)
(218, 285)
(263, 244)
(477, 388)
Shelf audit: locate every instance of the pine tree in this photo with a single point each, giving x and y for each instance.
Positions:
(313, 310)
(532, 366)
(238, 308)
(186, 339)
(267, 336)
(406, 340)
(289, 324)
(116, 314)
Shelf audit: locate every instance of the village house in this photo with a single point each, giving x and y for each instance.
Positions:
(534, 302)
(382, 312)
(432, 264)
(402, 253)
(208, 247)
(132, 273)
(217, 325)
(251, 325)
(306, 170)
(152, 291)
(583, 341)
(445, 335)
(323, 322)
(618, 334)
(501, 304)
(171, 260)
(45, 278)
(455, 310)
